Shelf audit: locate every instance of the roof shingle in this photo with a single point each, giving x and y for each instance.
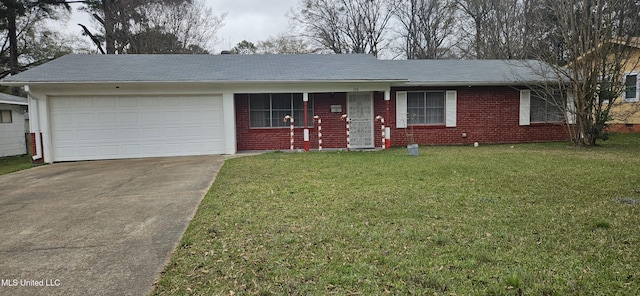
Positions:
(277, 68)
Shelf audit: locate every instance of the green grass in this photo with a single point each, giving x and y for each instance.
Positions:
(12, 164)
(535, 219)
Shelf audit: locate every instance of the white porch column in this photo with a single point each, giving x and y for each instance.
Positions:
(387, 130)
(305, 100)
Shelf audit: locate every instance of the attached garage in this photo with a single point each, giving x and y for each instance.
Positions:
(112, 127)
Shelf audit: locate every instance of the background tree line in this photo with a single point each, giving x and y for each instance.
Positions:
(117, 27)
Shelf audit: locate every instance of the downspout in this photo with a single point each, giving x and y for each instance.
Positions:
(34, 124)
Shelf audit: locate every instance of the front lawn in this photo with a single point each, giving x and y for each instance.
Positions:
(11, 164)
(534, 219)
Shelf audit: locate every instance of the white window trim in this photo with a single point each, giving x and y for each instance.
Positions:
(624, 92)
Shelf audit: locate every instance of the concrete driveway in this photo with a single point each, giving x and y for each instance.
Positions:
(97, 227)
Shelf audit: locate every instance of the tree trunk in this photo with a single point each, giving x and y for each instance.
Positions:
(13, 45)
(108, 6)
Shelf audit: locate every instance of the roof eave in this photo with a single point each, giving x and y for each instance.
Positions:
(13, 103)
(466, 83)
(22, 83)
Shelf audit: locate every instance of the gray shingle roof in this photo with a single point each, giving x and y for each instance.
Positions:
(470, 72)
(14, 100)
(270, 68)
(206, 68)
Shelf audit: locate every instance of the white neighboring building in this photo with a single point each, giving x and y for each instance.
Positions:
(12, 125)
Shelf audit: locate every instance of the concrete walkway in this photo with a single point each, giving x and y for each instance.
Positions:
(97, 227)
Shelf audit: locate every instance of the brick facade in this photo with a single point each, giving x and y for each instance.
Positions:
(624, 128)
(487, 115)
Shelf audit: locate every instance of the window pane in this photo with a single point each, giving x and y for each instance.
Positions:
(435, 99)
(281, 101)
(259, 102)
(415, 99)
(310, 114)
(298, 115)
(5, 116)
(278, 118)
(415, 115)
(435, 108)
(297, 101)
(259, 110)
(538, 109)
(556, 107)
(630, 84)
(260, 119)
(415, 108)
(435, 116)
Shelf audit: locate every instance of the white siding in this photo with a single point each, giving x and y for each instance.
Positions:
(12, 135)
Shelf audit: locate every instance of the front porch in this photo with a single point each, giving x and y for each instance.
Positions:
(260, 125)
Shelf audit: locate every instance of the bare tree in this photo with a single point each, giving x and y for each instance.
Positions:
(499, 29)
(345, 26)
(10, 13)
(284, 44)
(425, 27)
(193, 25)
(595, 37)
(116, 19)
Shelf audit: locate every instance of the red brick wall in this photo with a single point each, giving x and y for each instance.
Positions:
(32, 147)
(624, 128)
(333, 128)
(485, 114)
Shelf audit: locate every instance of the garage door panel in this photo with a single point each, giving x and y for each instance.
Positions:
(106, 127)
(132, 149)
(129, 117)
(104, 104)
(107, 118)
(152, 133)
(84, 151)
(171, 117)
(130, 133)
(110, 150)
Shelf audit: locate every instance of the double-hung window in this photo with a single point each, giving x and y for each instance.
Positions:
(631, 87)
(268, 110)
(5, 116)
(426, 108)
(547, 108)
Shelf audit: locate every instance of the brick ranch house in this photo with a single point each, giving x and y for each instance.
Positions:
(87, 107)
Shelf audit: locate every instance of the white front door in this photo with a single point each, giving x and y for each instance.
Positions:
(360, 111)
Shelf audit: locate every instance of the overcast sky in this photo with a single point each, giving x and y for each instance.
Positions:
(251, 20)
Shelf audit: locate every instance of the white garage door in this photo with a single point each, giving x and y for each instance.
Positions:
(108, 127)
